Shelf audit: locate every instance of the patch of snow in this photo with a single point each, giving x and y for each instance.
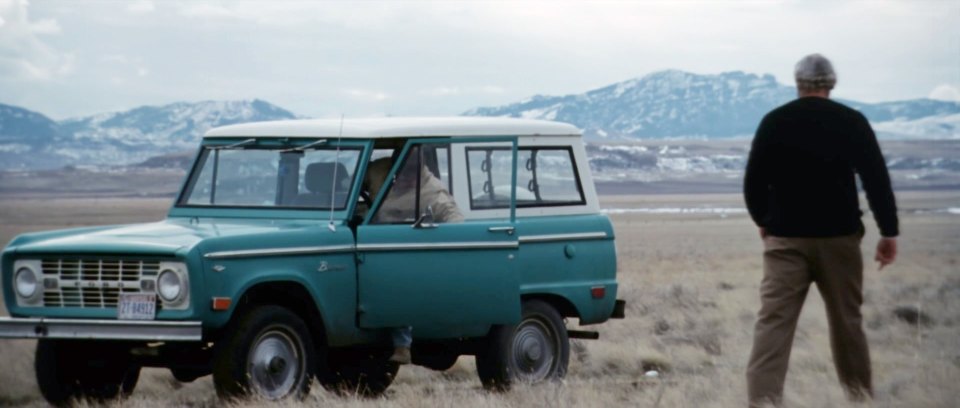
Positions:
(931, 127)
(623, 148)
(533, 113)
(15, 148)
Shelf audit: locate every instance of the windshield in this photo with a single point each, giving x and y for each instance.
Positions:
(311, 178)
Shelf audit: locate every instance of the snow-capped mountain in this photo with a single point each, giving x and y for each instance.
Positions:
(119, 137)
(23, 137)
(678, 104)
(663, 105)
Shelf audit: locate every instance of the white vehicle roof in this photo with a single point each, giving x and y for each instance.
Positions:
(397, 127)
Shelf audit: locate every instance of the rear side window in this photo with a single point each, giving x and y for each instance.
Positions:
(550, 177)
(546, 176)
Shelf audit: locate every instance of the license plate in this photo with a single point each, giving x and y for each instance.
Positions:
(137, 306)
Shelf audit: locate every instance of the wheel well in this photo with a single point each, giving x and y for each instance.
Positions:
(290, 295)
(563, 306)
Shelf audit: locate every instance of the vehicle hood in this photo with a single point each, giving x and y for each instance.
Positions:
(169, 237)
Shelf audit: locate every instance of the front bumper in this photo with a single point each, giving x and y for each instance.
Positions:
(141, 330)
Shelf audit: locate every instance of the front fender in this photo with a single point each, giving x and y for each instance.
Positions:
(333, 290)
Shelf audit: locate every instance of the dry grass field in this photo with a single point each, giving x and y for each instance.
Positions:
(691, 283)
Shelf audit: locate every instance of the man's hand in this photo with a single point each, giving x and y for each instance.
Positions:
(763, 232)
(886, 251)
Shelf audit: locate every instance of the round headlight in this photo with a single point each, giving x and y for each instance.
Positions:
(26, 282)
(169, 285)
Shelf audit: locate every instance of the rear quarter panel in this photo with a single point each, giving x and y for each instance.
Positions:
(569, 267)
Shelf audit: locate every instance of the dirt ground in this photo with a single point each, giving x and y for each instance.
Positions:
(691, 282)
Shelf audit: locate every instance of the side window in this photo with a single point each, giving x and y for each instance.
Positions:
(421, 185)
(443, 167)
(546, 176)
(489, 172)
(381, 161)
(325, 177)
(550, 176)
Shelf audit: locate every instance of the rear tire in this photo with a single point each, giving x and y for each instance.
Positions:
(268, 353)
(535, 350)
(73, 369)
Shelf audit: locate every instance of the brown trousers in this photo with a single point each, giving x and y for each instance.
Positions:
(835, 264)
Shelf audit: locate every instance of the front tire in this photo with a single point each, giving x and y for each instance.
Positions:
(75, 369)
(268, 353)
(535, 350)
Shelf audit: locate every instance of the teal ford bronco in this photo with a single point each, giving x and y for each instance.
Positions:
(297, 249)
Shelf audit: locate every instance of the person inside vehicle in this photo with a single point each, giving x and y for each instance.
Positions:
(400, 206)
(401, 202)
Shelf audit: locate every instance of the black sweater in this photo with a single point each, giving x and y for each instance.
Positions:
(800, 175)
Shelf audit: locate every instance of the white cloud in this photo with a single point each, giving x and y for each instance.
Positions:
(441, 57)
(141, 7)
(945, 92)
(122, 67)
(441, 91)
(115, 59)
(24, 56)
(45, 26)
(206, 10)
(366, 95)
(366, 15)
(492, 89)
(462, 90)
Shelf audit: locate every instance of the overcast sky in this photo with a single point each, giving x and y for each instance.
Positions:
(321, 59)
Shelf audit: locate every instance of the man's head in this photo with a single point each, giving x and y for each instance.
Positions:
(815, 76)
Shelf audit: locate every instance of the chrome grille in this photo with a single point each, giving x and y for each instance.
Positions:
(96, 283)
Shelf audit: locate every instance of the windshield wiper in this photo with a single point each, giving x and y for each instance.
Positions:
(305, 147)
(236, 145)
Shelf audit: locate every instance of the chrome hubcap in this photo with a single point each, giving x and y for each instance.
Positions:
(534, 351)
(276, 364)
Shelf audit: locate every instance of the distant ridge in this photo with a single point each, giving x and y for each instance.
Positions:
(673, 103)
(29, 140)
(669, 104)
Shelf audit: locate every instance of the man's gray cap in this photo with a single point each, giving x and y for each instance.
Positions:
(815, 72)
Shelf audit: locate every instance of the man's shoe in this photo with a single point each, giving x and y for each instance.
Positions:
(401, 355)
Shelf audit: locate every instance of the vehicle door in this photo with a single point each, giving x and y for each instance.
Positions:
(423, 264)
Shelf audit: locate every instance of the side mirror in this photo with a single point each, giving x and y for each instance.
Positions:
(425, 220)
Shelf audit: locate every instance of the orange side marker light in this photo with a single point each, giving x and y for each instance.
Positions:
(221, 303)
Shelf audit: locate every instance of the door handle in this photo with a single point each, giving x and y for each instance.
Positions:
(508, 230)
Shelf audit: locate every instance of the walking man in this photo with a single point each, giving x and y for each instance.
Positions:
(801, 192)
